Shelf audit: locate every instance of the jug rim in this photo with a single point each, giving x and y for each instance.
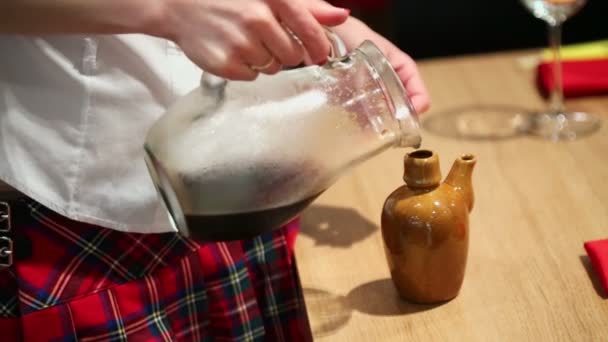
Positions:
(399, 102)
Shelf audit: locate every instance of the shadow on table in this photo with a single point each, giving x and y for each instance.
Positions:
(480, 122)
(329, 312)
(593, 276)
(335, 226)
(380, 298)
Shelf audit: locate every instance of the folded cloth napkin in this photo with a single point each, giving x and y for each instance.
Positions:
(588, 50)
(598, 254)
(584, 69)
(580, 78)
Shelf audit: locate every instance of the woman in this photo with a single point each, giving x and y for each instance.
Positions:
(93, 256)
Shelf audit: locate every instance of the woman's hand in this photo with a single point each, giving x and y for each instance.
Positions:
(236, 39)
(354, 32)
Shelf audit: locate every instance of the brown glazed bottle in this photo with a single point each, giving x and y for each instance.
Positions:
(425, 228)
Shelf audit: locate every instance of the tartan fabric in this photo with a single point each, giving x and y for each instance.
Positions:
(86, 283)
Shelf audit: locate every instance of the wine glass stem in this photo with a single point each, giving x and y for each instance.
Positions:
(557, 91)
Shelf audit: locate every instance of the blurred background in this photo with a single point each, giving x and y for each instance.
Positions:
(436, 28)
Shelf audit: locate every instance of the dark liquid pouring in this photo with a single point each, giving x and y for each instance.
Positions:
(243, 225)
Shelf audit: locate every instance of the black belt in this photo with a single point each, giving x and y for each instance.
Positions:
(8, 193)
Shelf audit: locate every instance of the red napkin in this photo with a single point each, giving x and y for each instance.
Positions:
(580, 77)
(598, 253)
(292, 228)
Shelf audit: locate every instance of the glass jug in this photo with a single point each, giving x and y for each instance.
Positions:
(232, 160)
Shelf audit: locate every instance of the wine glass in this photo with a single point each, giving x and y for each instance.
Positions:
(556, 123)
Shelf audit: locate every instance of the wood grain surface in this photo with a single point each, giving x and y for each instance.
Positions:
(528, 277)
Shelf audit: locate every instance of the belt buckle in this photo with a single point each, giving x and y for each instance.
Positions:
(6, 251)
(5, 217)
(6, 243)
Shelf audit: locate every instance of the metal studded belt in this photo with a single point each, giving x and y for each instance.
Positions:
(6, 242)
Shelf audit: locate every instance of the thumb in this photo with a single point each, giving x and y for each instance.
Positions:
(327, 14)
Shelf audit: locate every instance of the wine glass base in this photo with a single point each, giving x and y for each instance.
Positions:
(479, 122)
(563, 125)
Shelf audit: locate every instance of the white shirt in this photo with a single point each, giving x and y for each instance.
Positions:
(74, 113)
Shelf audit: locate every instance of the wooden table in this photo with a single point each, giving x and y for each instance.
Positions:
(528, 276)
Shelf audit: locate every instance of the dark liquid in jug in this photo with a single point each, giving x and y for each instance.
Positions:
(243, 225)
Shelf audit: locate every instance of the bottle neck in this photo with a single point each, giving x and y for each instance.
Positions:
(421, 170)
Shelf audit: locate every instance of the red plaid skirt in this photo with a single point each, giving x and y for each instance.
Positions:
(72, 281)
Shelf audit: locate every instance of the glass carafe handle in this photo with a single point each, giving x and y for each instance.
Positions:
(338, 48)
(214, 85)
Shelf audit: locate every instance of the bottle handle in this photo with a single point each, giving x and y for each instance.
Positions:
(215, 85)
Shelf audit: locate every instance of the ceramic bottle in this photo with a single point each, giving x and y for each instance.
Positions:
(425, 228)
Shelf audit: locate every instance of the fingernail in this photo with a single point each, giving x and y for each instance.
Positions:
(347, 11)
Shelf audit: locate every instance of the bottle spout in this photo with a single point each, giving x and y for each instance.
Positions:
(460, 177)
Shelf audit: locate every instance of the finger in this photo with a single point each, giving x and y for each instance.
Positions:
(228, 65)
(258, 57)
(327, 14)
(417, 92)
(421, 102)
(238, 72)
(243, 50)
(273, 68)
(406, 69)
(277, 40)
(307, 29)
(284, 44)
(308, 60)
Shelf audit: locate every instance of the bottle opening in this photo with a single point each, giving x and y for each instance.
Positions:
(421, 154)
(467, 157)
